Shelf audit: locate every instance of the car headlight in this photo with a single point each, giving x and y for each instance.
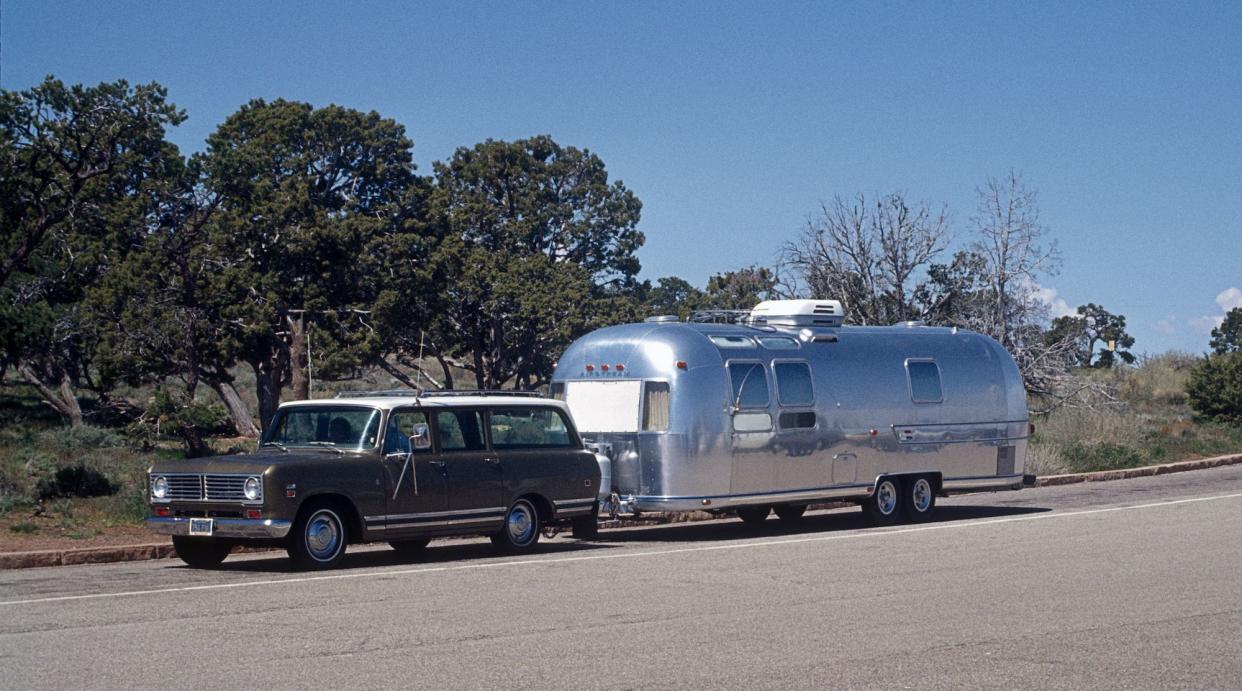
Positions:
(254, 488)
(159, 487)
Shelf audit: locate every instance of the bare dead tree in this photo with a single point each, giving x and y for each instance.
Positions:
(867, 255)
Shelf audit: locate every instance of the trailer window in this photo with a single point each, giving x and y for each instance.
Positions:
(558, 391)
(655, 406)
(793, 383)
(750, 384)
(732, 341)
(924, 382)
(802, 420)
(778, 342)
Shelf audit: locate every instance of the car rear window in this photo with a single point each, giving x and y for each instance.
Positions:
(529, 428)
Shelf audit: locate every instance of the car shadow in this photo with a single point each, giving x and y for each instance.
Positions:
(376, 555)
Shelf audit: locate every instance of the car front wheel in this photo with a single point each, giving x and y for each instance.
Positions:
(318, 538)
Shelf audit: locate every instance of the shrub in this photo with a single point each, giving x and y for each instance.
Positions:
(1085, 458)
(1214, 390)
(76, 481)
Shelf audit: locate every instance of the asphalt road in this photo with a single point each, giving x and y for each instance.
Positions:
(1134, 583)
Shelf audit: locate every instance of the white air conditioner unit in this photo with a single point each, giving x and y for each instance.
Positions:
(798, 313)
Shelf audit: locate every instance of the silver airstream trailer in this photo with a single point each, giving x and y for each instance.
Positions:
(790, 407)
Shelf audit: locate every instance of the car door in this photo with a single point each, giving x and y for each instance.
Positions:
(417, 495)
(473, 471)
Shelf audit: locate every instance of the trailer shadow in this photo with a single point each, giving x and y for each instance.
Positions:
(830, 522)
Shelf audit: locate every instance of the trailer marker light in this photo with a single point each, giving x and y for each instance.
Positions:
(603, 368)
(681, 364)
(874, 431)
(590, 368)
(707, 502)
(620, 367)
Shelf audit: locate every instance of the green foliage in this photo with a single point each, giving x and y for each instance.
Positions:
(1083, 458)
(1215, 387)
(24, 527)
(77, 165)
(75, 481)
(539, 246)
(1094, 326)
(1227, 338)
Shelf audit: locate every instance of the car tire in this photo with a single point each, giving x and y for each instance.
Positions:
(318, 538)
(791, 513)
(521, 529)
(919, 496)
(201, 553)
(754, 515)
(409, 548)
(884, 506)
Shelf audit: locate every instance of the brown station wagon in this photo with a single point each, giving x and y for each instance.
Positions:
(384, 466)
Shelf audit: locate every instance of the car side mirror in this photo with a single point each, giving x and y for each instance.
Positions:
(421, 439)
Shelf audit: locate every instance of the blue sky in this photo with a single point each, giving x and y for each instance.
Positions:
(733, 121)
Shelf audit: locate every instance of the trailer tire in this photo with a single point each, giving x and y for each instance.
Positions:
(754, 515)
(884, 506)
(790, 513)
(919, 497)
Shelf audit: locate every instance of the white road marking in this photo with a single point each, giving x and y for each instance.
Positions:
(869, 533)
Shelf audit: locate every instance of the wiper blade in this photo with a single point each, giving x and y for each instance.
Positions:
(329, 444)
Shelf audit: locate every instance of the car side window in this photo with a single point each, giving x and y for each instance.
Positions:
(460, 430)
(528, 428)
(400, 427)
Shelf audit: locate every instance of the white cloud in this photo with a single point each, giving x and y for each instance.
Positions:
(1205, 324)
(1167, 325)
(1229, 298)
(1057, 306)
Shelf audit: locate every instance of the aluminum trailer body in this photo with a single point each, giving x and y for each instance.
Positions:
(792, 409)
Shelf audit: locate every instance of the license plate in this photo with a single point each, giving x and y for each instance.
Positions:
(201, 526)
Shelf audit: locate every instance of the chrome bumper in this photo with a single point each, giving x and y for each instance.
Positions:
(223, 527)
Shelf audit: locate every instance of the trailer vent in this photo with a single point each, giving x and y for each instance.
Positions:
(798, 313)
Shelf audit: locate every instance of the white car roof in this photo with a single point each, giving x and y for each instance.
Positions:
(390, 402)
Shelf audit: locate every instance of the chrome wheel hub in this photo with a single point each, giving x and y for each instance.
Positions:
(886, 498)
(323, 536)
(521, 525)
(922, 495)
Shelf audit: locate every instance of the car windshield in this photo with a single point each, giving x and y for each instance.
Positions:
(341, 427)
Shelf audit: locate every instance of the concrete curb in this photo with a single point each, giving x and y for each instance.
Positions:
(100, 555)
(1145, 471)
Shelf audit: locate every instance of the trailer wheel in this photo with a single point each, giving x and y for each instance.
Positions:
(920, 499)
(883, 507)
(753, 515)
(790, 513)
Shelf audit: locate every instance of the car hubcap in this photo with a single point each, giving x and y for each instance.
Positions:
(521, 525)
(323, 536)
(922, 495)
(886, 498)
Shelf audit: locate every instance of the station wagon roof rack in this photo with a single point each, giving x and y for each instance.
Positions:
(414, 393)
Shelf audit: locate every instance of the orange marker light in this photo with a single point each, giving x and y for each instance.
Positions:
(681, 364)
(603, 368)
(590, 368)
(620, 367)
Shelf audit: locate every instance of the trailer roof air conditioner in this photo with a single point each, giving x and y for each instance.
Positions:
(798, 313)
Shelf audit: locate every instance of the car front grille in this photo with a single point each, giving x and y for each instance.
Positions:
(209, 487)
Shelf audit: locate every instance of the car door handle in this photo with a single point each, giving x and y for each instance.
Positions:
(438, 465)
(493, 461)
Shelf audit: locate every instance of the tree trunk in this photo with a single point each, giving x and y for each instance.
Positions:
(298, 358)
(62, 399)
(268, 381)
(239, 412)
(446, 368)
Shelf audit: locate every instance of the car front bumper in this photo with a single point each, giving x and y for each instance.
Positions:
(223, 527)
